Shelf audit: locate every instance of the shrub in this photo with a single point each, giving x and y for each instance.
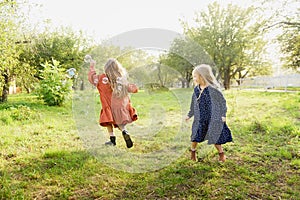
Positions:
(55, 87)
(22, 113)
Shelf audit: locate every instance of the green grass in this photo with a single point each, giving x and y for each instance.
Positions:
(46, 152)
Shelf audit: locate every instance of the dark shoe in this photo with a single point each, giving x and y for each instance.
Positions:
(109, 143)
(127, 139)
(193, 155)
(112, 141)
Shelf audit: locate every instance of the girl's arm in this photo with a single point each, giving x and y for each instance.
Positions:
(92, 75)
(191, 111)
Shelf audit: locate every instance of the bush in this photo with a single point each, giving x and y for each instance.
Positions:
(22, 113)
(55, 87)
(18, 113)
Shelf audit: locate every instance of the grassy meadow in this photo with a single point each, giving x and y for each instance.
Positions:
(58, 152)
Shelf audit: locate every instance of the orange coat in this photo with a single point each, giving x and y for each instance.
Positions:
(114, 110)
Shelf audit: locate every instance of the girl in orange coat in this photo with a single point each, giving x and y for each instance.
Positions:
(114, 90)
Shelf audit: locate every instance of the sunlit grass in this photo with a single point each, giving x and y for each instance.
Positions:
(43, 156)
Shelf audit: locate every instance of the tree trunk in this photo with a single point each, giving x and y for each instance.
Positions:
(188, 79)
(81, 85)
(182, 83)
(239, 81)
(226, 79)
(28, 90)
(187, 84)
(241, 77)
(159, 76)
(5, 88)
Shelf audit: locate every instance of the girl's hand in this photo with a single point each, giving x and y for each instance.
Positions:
(187, 118)
(224, 119)
(92, 63)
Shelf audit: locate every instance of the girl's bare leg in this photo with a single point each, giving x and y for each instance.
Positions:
(194, 145)
(222, 156)
(193, 151)
(110, 130)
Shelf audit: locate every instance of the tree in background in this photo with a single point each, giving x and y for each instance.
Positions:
(138, 62)
(8, 44)
(62, 45)
(290, 42)
(24, 50)
(184, 54)
(284, 17)
(289, 39)
(25, 73)
(129, 57)
(232, 36)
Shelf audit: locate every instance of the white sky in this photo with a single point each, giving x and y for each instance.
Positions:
(104, 19)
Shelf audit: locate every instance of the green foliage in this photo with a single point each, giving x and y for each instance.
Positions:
(150, 87)
(22, 113)
(129, 57)
(157, 74)
(183, 56)
(55, 87)
(24, 49)
(63, 45)
(290, 46)
(233, 39)
(8, 37)
(284, 20)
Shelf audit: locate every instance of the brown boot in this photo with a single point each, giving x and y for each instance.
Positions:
(222, 157)
(193, 155)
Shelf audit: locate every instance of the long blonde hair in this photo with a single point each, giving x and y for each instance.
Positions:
(117, 77)
(206, 73)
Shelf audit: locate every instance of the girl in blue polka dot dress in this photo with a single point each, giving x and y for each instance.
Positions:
(208, 107)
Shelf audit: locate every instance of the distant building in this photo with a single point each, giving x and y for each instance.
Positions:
(269, 82)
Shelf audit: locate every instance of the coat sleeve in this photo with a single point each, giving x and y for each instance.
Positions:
(222, 103)
(191, 111)
(92, 76)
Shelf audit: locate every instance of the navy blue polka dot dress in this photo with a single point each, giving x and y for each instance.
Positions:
(208, 107)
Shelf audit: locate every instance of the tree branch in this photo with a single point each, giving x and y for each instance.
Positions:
(293, 24)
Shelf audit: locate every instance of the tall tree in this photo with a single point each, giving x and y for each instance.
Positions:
(285, 20)
(290, 46)
(63, 45)
(231, 36)
(290, 39)
(8, 50)
(184, 54)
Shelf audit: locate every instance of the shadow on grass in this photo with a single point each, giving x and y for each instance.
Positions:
(10, 105)
(180, 180)
(33, 177)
